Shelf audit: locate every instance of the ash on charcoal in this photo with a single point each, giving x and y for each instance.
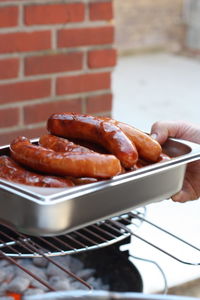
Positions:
(13, 279)
(75, 265)
(97, 284)
(28, 264)
(33, 291)
(3, 288)
(10, 272)
(85, 273)
(2, 275)
(40, 262)
(53, 270)
(76, 285)
(60, 284)
(18, 285)
(4, 262)
(71, 263)
(39, 272)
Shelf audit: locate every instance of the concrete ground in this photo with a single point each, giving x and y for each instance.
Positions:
(155, 87)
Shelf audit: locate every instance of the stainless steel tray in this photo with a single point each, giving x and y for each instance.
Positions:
(54, 211)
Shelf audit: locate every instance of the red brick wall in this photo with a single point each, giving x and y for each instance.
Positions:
(54, 56)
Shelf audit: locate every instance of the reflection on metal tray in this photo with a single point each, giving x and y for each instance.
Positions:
(53, 211)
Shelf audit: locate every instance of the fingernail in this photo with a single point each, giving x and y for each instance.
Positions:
(154, 136)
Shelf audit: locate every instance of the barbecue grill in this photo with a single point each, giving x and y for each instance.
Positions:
(109, 226)
(113, 231)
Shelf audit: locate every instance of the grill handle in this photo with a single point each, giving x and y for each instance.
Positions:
(165, 232)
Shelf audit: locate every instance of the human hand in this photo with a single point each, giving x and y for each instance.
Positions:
(178, 129)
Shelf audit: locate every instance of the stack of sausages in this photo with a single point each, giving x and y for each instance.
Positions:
(79, 149)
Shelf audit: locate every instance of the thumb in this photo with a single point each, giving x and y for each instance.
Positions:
(162, 130)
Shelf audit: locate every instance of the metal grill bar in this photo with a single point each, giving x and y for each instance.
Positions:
(52, 245)
(123, 227)
(10, 259)
(15, 242)
(34, 247)
(60, 241)
(104, 231)
(165, 231)
(95, 234)
(93, 237)
(79, 234)
(77, 242)
(13, 261)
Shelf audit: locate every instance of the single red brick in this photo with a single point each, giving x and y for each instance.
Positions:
(26, 90)
(9, 117)
(102, 58)
(54, 13)
(6, 138)
(40, 112)
(25, 41)
(83, 83)
(101, 11)
(9, 68)
(53, 63)
(100, 103)
(85, 36)
(8, 16)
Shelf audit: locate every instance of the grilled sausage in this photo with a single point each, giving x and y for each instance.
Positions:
(61, 145)
(97, 130)
(12, 171)
(147, 147)
(64, 164)
(142, 163)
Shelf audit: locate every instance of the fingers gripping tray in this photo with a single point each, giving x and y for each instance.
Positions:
(54, 211)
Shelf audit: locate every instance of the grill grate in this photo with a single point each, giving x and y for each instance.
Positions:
(99, 235)
(15, 244)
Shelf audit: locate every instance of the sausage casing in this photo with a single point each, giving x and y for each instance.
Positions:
(64, 164)
(142, 163)
(97, 130)
(59, 144)
(12, 171)
(147, 147)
